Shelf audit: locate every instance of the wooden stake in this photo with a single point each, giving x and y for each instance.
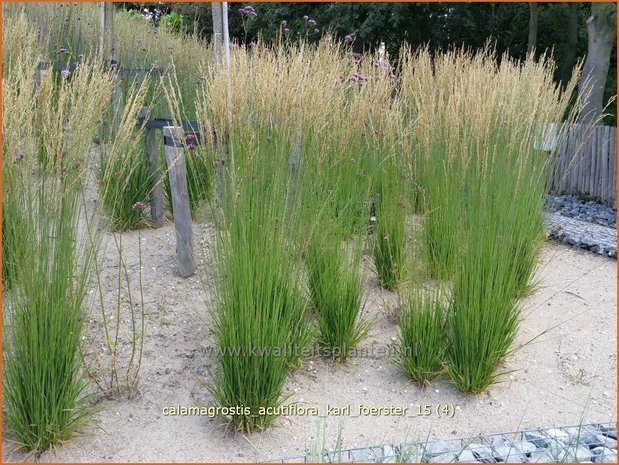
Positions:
(180, 199)
(157, 214)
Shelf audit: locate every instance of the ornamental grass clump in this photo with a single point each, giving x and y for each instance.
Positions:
(389, 238)
(259, 321)
(123, 175)
(336, 292)
(44, 390)
(50, 260)
(495, 181)
(428, 102)
(421, 342)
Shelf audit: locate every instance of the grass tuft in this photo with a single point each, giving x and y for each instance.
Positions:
(421, 342)
(336, 293)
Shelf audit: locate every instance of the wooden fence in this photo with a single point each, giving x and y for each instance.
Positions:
(587, 163)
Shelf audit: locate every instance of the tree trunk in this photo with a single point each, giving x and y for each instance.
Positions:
(572, 43)
(218, 33)
(533, 21)
(108, 51)
(602, 33)
(106, 32)
(220, 156)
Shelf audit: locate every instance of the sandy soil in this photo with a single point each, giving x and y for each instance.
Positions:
(565, 376)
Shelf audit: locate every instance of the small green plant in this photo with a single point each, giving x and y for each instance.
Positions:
(125, 185)
(336, 293)
(124, 180)
(259, 321)
(441, 201)
(172, 21)
(318, 451)
(422, 337)
(388, 243)
(115, 371)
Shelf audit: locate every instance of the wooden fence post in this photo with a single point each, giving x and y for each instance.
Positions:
(154, 170)
(294, 161)
(180, 199)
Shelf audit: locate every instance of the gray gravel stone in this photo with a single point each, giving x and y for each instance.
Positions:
(606, 441)
(558, 449)
(579, 233)
(361, 455)
(541, 456)
(444, 458)
(536, 438)
(508, 454)
(524, 447)
(576, 454)
(412, 456)
(466, 456)
(604, 454)
(377, 452)
(585, 438)
(433, 448)
(390, 454)
(481, 451)
(557, 434)
(609, 431)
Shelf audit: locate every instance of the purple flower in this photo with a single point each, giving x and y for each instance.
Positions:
(358, 77)
(190, 138)
(305, 18)
(248, 10)
(316, 31)
(348, 38)
(286, 30)
(284, 23)
(357, 57)
(311, 22)
(65, 73)
(62, 50)
(138, 206)
(384, 64)
(191, 146)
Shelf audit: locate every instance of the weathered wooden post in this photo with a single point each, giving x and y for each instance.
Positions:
(107, 47)
(221, 49)
(173, 139)
(293, 169)
(157, 214)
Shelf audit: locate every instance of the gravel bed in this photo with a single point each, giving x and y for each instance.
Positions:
(593, 443)
(573, 207)
(586, 225)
